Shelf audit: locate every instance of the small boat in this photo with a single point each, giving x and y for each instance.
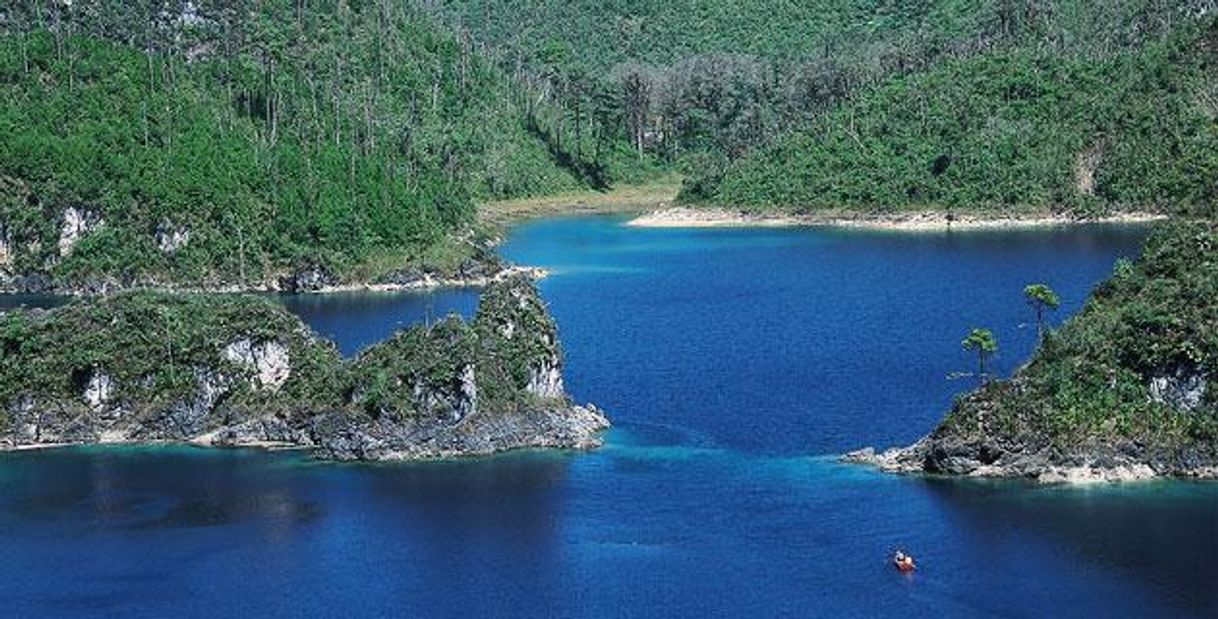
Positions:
(903, 562)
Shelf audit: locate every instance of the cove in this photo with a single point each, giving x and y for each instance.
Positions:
(735, 364)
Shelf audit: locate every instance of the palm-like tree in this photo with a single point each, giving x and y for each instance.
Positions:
(1042, 299)
(983, 342)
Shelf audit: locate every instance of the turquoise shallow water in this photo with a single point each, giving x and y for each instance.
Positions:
(734, 363)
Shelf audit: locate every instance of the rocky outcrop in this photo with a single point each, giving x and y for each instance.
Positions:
(1040, 463)
(1119, 393)
(6, 248)
(1183, 389)
(232, 371)
(343, 437)
(77, 222)
(171, 238)
(99, 390)
(309, 278)
(268, 363)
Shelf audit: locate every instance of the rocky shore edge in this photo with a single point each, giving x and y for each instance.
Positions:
(305, 280)
(929, 456)
(926, 221)
(239, 371)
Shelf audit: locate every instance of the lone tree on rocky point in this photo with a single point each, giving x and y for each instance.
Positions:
(1042, 299)
(982, 342)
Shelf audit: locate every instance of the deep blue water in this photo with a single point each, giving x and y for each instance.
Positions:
(734, 364)
(357, 320)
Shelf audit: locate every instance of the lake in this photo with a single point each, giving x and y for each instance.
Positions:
(735, 364)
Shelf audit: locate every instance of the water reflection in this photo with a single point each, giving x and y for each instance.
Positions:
(150, 488)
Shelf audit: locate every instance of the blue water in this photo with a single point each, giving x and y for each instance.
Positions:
(734, 363)
(356, 320)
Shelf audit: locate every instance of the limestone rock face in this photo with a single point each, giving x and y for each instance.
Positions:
(98, 390)
(467, 393)
(545, 380)
(77, 222)
(1183, 390)
(269, 362)
(171, 238)
(6, 251)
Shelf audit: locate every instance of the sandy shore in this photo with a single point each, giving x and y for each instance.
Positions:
(625, 199)
(684, 217)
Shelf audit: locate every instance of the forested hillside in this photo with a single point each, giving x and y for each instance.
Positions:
(227, 142)
(231, 142)
(1012, 131)
(1065, 104)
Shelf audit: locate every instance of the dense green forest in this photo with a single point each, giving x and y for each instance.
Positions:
(1064, 104)
(227, 142)
(1010, 130)
(1014, 129)
(232, 142)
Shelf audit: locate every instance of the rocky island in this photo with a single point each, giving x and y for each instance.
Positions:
(236, 370)
(1125, 390)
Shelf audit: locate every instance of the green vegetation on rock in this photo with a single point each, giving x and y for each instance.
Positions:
(234, 370)
(1135, 369)
(165, 358)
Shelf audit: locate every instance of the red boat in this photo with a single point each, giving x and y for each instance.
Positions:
(903, 562)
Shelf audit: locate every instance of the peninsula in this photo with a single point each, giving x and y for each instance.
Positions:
(1125, 390)
(236, 370)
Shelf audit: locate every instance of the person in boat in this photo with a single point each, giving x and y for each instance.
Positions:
(903, 561)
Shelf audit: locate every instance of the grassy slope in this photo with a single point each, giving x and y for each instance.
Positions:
(620, 199)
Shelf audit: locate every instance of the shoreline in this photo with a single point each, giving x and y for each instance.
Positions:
(425, 282)
(923, 221)
(429, 283)
(625, 199)
(906, 461)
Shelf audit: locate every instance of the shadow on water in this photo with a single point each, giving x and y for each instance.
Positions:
(151, 488)
(1163, 533)
(513, 499)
